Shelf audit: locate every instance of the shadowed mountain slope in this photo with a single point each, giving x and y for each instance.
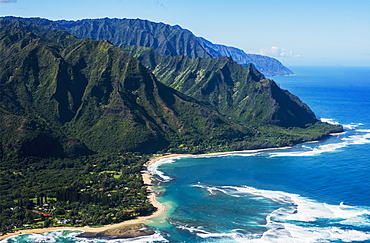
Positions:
(99, 94)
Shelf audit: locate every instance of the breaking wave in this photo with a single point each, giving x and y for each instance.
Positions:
(297, 219)
(352, 136)
(153, 169)
(72, 237)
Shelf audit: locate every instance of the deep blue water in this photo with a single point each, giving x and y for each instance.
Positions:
(313, 192)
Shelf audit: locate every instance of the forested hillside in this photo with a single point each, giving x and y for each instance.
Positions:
(80, 117)
(242, 94)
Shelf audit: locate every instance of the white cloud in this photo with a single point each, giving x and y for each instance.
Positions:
(8, 1)
(275, 51)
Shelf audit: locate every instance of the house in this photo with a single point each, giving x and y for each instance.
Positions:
(66, 221)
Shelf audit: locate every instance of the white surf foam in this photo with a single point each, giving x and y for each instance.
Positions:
(330, 121)
(63, 235)
(233, 236)
(300, 219)
(354, 137)
(308, 151)
(45, 237)
(153, 168)
(350, 126)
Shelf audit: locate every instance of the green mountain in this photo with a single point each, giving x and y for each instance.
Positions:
(93, 92)
(76, 113)
(166, 39)
(99, 94)
(242, 94)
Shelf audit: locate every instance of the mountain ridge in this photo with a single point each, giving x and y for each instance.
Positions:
(167, 39)
(267, 65)
(90, 86)
(86, 87)
(227, 86)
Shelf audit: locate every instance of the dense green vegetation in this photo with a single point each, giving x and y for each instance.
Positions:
(88, 190)
(79, 118)
(166, 39)
(243, 95)
(99, 94)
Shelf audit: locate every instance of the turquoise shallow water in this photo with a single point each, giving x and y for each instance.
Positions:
(313, 192)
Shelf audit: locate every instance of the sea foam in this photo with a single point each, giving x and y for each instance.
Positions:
(299, 219)
(353, 136)
(330, 121)
(153, 168)
(71, 236)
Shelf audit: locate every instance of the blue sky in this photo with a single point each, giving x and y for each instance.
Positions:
(297, 32)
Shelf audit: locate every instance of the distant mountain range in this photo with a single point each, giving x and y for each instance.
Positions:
(79, 96)
(166, 39)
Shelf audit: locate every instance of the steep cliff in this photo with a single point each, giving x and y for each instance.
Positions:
(99, 94)
(243, 94)
(166, 39)
(104, 99)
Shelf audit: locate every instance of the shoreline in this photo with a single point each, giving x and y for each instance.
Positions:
(140, 220)
(152, 198)
(146, 175)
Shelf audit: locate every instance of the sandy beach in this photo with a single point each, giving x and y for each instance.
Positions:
(139, 220)
(152, 198)
(147, 181)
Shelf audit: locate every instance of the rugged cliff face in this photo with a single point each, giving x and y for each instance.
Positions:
(98, 93)
(242, 94)
(85, 96)
(166, 39)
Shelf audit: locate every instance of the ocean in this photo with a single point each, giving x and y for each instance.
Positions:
(312, 192)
